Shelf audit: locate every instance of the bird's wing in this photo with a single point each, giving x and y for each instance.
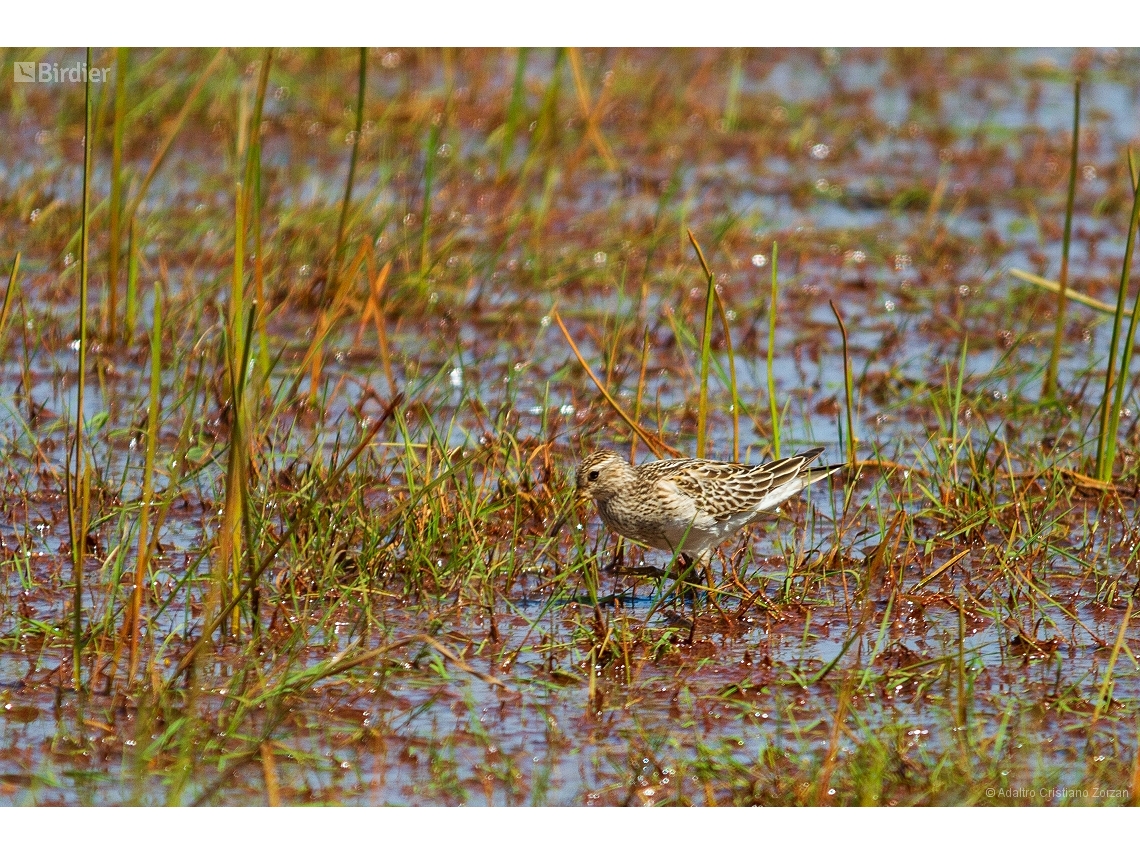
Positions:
(722, 489)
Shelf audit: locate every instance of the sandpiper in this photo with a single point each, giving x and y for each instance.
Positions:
(690, 506)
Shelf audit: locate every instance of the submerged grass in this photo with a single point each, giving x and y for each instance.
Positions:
(331, 551)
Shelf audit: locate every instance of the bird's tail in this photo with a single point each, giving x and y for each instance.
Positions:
(818, 473)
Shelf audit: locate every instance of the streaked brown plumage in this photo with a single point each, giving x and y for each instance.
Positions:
(690, 505)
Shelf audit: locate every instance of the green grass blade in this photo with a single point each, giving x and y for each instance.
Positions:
(9, 292)
(115, 240)
(152, 417)
(1110, 403)
(425, 210)
(78, 482)
(706, 346)
(849, 395)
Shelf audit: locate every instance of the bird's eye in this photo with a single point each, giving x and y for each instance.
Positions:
(593, 476)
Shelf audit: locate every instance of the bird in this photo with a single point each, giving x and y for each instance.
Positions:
(689, 506)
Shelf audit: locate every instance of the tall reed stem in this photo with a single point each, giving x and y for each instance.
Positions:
(425, 208)
(78, 493)
(114, 250)
(732, 388)
(9, 293)
(230, 540)
(253, 204)
(852, 442)
(131, 314)
(773, 407)
(148, 482)
(173, 129)
(706, 347)
(1050, 387)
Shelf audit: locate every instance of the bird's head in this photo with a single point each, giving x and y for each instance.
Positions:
(601, 475)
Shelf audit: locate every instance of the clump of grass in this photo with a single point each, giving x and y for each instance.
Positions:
(1115, 379)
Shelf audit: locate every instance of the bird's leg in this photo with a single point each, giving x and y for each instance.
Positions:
(688, 573)
(680, 567)
(618, 565)
(684, 565)
(619, 559)
(731, 576)
(706, 559)
(738, 583)
(651, 570)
